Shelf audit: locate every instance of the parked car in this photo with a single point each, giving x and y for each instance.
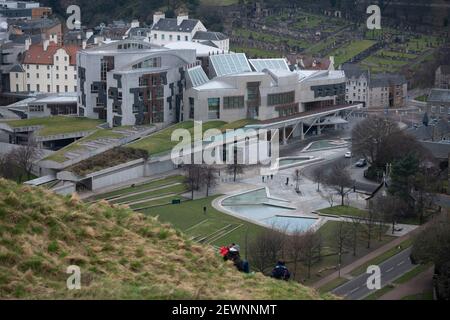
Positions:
(348, 155)
(361, 163)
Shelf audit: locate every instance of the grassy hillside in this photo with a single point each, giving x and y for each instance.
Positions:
(122, 255)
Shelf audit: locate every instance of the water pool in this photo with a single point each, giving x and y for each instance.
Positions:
(290, 224)
(257, 206)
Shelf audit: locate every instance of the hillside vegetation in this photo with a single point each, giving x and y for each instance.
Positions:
(122, 255)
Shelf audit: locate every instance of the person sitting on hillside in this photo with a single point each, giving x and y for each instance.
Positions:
(281, 272)
(232, 253)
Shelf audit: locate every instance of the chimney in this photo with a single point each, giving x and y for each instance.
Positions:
(45, 44)
(89, 34)
(157, 16)
(54, 38)
(181, 17)
(27, 43)
(135, 24)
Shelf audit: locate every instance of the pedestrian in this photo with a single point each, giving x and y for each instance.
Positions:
(287, 181)
(281, 272)
(262, 178)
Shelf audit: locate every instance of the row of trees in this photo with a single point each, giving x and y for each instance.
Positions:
(17, 164)
(207, 176)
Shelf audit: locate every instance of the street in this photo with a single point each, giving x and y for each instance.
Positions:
(391, 269)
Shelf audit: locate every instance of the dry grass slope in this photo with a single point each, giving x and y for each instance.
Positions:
(122, 255)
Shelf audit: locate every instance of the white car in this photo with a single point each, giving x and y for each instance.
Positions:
(348, 155)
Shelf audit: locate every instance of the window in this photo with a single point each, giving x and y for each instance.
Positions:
(170, 37)
(57, 76)
(28, 75)
(57, 88)
(36, 108)
(213, 108)
(163, 37)
(65, 59)
(155, 36)
(65, 76)
(48, 67)
(192, 107)
(65, 68)
(66, 88)
(38, 88)
(57, 58)
(28, 66)
(37, 75)
(280, 98)
(48, 75)
(75, 89)
(28, 87)
(57, 68)
(75, 76)
(17, 88)
(48, 88)
(186, 38)
(37, 67)
(236, 102)
(17, 75)
(178, 37)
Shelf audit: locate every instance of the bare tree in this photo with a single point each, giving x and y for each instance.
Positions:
(317, 176)
(24, 156)
(355, 228)
(266, 249)
(370, 220)
(312, 249)
(339, 179)
(341, 237)
(209, 176)
(330, 199)
(235, 169)
(8, 168)
(297, 177)
(296, 247)
(192, 173)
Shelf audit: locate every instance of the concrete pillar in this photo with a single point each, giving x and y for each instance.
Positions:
(302, 134)
(284, 136)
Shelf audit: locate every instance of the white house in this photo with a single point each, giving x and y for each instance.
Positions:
(48, 68)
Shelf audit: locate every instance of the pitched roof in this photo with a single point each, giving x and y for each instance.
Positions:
(37, 55)
(170, 24)
(209, 35)
(353, 71)
(386, 79)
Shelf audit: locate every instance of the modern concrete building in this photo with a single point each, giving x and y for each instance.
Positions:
(132, 82)
(23, 10)
(47, 68)
(260, 89)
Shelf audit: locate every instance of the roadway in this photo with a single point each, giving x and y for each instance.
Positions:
(391, 269)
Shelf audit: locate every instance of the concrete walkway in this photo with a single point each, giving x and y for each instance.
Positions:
(345, 272)
(423, 282)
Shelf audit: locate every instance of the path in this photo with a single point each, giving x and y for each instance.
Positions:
(423, 282)
(349, 268)
(391, 269)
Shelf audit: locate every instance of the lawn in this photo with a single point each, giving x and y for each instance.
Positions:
(256, 53)
(214, 227)
(155, 193)
(59, 156)
(140, 187)
(160, 142)
(423, 98)
(349, 51)
(344, 211)
(57, 124)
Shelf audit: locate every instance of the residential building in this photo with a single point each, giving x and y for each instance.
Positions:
(47, 28)
(132, 82)
(438, 103)
(374, 90)
(442, 78)
(23, 10)
(48, 68)
(165, 30)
